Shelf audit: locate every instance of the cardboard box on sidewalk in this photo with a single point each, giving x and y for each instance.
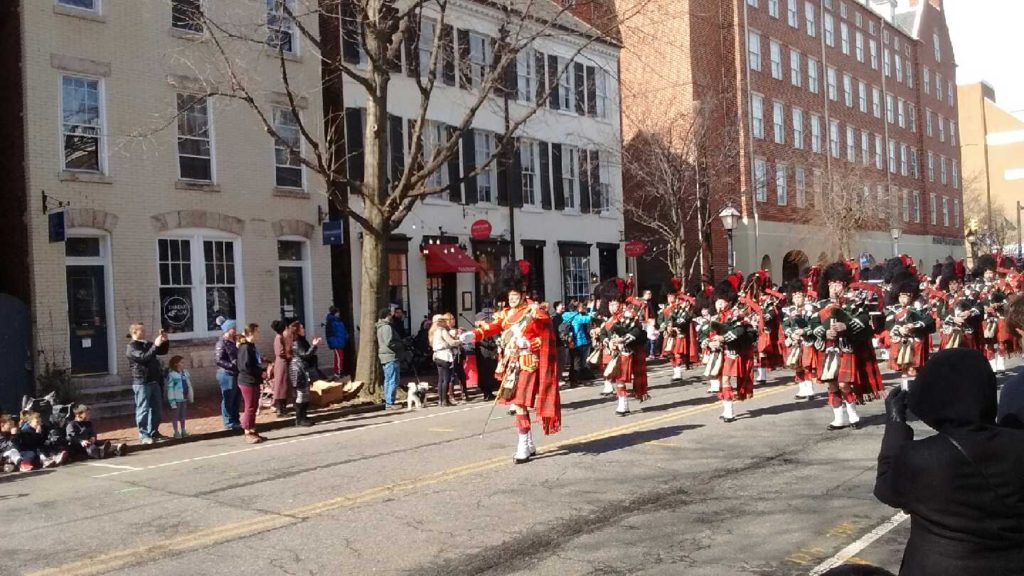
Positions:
(324, 393)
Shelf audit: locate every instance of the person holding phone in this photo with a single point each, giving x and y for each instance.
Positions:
(146, 377)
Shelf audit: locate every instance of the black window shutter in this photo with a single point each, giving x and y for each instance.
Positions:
(448, 55)
(591, 91)
(584, 182)
(515, 182)
(556, 176)
(389, 12)
(469, 164)
(465, 70)
(454, 186)
(502, 162)
(512, 77)
(553, 100)
(545, 177)
(580, 80)
(396, 149)
(354, 142)
(541, 76)
(350, 37)
(595, 180)
(412, 45)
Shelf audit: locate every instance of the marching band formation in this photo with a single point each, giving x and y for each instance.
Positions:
(832, 327)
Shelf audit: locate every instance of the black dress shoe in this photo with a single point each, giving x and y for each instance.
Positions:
(832, 427)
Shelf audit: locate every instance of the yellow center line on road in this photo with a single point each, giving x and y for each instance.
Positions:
(228, 532)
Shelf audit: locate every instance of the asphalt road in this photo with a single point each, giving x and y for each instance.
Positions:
(667, 490)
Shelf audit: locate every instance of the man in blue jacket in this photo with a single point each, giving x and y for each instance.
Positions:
(337, 338)
(579, 318)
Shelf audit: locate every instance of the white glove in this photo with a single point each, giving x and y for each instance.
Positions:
(729, 336)
(468, 338)
(523, 343)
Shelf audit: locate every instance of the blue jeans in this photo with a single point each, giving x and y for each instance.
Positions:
(391, 371)
(147, 408)
(230, 399)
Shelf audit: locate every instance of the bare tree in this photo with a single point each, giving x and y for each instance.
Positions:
(363, 43)
(846, 203)
(667, 167)
(976, 212)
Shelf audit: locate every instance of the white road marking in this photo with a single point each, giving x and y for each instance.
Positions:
(861, 543)
(112, 466)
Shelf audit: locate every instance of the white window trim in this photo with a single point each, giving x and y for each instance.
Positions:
(97, 7)
(102, 151)
(106, 261)
(273, 150)
(213, 144)
(307, 279)
(294, 30)
(196, 236)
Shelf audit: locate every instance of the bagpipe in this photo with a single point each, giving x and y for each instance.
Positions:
(512, 358)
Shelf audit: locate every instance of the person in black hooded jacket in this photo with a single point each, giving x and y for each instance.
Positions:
(964, 486)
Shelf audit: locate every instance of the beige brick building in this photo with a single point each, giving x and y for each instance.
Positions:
(177, 209)
(992, 146)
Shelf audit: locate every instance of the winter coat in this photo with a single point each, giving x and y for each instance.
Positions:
(580, 326)
(282, 355)
(225, 354)
(175, 388)
(389, 346)
(250, 369)
(963, 487)
(303, 366)
(77, 431)
(444, 345)
(143, 361)
(337, 334)
(29, 440)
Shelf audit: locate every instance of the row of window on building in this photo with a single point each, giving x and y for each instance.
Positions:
(902, 158)
(911, 199)
(83, 135)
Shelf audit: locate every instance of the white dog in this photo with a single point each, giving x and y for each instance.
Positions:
(417, 395)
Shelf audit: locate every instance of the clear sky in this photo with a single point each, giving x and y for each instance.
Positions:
(988, 41)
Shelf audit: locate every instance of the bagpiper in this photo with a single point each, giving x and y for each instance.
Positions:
(675, 320)
(768, 353)
(624, 342)
(803, 347)
(527, 361)
(958, 311)
(702, 334)
(849, 366)
(910, 325)
(993, 298)
(732, 341)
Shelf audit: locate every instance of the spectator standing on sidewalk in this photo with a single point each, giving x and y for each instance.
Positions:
(389, 351)
(579, 319)
(279, 369)
(146, 378)
(561, 344)
(337, 339)
(179, 390)
(250, 375)
(225, 354)
(964, 486)
(304, 367)
(443, 345)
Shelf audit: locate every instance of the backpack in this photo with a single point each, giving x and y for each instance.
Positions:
(566, 333)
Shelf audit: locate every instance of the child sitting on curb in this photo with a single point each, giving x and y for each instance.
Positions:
(82, 437)
(34, 438)
(10, 454)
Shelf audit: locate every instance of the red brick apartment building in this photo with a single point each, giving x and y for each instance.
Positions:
(804, 98)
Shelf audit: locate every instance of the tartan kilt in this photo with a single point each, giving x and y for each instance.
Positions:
(1003, 333)
(860, 368)
(918, 355)
(527, 388)
(681, 346)
(634, 372)
(741, 369)
(812, 360)
(966, 341)
(769, 353)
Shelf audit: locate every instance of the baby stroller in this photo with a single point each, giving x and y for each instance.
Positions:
(267, 390)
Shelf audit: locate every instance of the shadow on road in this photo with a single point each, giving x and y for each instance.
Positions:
(779, 409)
(16, 476)
(698, 401)
(619, 442)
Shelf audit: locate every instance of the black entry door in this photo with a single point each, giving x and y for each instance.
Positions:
(87, 319)
(441, 294)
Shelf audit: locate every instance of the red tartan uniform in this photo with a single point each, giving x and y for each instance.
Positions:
(680, 348)
(737, 363)
(633, 360)
(537, 382)
(769, 337)
(919, 347)
(858, 365)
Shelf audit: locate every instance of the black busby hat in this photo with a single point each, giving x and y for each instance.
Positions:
(985, 263)
(834, 272)
(515, 277)
(612, 289)
(728, 289)
(794, 286)
(904, 283)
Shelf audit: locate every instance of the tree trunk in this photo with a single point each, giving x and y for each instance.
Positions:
(371, 300)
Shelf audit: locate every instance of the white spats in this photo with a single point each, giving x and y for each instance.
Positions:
(677, 373)
(851, 414)
(522, 449)
(805, 390)
(714, 386)
(530, 446)
(1000, 364)
(622, 407)
(727, 411)
(608, 388)
(905, 383)
(761, 375)
(839, 420)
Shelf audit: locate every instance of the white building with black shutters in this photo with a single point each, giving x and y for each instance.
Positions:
(563, 181)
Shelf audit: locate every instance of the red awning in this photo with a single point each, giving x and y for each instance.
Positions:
(448, 258)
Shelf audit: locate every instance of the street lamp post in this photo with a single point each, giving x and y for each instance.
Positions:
(972, 241)
(730, 217)
(896, 233)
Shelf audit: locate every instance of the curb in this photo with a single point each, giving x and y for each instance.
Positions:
(325, 416)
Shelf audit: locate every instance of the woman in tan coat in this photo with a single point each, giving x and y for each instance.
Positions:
(282, 356)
